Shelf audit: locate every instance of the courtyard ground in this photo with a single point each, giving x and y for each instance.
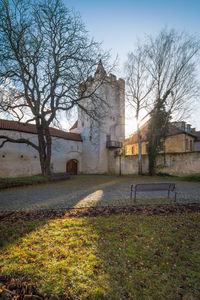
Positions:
(92, 190)
(127, 252)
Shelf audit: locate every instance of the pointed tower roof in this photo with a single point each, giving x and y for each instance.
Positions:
(100, 69)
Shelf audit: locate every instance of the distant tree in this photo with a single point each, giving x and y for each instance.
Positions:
(139, 86)
(45, 55)
(170, 64)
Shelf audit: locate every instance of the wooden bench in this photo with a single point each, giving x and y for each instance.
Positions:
(153, 187)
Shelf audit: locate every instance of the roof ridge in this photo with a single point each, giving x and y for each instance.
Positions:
(31, 128)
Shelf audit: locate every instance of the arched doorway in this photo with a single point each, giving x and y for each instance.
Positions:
(72, 167)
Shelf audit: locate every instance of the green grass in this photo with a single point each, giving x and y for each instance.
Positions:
(115, 257)
(191, 177)
(20, 181)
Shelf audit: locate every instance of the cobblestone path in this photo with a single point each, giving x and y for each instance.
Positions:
(91, 190)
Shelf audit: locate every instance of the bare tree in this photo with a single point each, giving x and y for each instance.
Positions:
(172, 63)
(45, 55)
(169, 79)
(139, 86)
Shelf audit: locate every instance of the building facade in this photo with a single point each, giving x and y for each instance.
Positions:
(89, 146)
(181, 138)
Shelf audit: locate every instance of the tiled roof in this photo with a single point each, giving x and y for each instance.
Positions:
(172, 130)
(75, 125)
(133, 138)
(31, 128)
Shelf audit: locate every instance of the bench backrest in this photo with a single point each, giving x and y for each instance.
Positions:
(159, 186)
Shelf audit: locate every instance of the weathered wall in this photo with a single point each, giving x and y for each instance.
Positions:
(175, 143)
(172, 163)
(22, 160)
(179, 163)
(95, 155)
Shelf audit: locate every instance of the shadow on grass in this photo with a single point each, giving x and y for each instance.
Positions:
(113, 257)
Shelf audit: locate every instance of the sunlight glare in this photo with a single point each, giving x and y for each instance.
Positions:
(91, 199)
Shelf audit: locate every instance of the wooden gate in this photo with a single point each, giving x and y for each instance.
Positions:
(72, 167)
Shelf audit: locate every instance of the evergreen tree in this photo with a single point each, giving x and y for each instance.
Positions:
(157, 132)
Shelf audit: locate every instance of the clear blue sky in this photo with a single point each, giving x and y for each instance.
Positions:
(118, 24)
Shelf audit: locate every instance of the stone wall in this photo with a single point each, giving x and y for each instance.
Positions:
(179, 163)
(171, 163)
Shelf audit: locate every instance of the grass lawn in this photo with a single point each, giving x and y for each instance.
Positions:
(20, 181)
(115, 257)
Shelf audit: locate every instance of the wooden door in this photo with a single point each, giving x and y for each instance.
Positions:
(71, 167)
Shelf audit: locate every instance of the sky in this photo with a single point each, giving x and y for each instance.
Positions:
(118, 25)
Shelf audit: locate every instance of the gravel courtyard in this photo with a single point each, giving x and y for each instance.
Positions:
(92, 190)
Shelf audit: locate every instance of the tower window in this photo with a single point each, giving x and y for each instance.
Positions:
(107, 137)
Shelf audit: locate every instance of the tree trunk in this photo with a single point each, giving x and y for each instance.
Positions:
(139, 151)
(44, 142)
(151, 165)
(152, 153)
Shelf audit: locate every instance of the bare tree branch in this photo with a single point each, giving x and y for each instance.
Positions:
(45, 56)
(18, 141)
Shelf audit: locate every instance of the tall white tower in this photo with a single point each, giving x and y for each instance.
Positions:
(107, 134)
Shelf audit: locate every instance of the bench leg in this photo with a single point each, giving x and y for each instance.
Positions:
(131, 195)
(174, 196)
(135, 196)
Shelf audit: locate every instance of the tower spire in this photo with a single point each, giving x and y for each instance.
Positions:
(100, 69)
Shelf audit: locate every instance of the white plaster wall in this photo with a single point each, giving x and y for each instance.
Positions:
(22, 160)
(95, 156)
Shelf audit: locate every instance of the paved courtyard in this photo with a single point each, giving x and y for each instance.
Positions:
(91, 190)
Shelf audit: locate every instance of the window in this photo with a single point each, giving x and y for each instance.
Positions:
(186, 144)
(107, 137)
(191, 145)
(188, 128)
(146, 145)
(133, 150)
(183, 126)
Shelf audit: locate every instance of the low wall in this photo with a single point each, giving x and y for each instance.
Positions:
(179, 163)
(171, 163)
